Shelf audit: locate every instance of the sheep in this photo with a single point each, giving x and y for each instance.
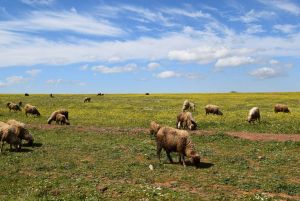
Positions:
(186, 120)
(13, 106)
(100, 94)
(187, 105)
(281, 108)
(21, 131)
(30, 109)
(51, 96)
(26, 94)
(8, 134)
(214, 109)
(254, 115)
(174, 140)
(60, 118)
(53, 115)
(147, 94)
(20, 103)
(87, 99)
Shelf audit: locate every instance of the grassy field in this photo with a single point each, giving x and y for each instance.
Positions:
(91, 160)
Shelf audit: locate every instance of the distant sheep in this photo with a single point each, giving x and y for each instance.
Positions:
(53, 115)
(29, 109)
(21, 131)
(60, 118)
(213, 109)
(147, 94)
(100, 94)
(26, 94)
(8, 135)
(187, 105)
(51, 96)
(174, 140)
(87, 99)
(254, 115)
(13, 106)
(281, 108)
(186, 120)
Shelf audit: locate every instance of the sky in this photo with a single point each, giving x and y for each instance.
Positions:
(139, 46)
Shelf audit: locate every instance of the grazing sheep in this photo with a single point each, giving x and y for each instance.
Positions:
(51, 96)
(100, 94)
(8, 135)
(214, 109)
(30, 109)
(147, 94)
(254, 115)
(60, 118)
(53, 115)
(13, 106)
(186, 120)
(174, 140)
(87, 99)
(187, 105)
(26, 94)
(281, 108)
(21, 131)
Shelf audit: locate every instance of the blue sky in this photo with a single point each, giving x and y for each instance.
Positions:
(66, 46)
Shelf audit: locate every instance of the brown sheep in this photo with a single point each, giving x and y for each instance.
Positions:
(8, 135)
(174, 140)
(29, 109)
(254, 115)
(21, 131)
(13, 106)
(60, 118)
(87, 99)
(214, 109)
(187, 105)
(281, 108)
(53, 115)
(186, 120)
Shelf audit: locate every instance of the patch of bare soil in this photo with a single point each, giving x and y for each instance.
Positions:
(244, 135)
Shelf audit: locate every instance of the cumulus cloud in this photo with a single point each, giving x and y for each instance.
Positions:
(167, 74)
(267, 72)
(33, 72)
(233, 61)
(12, 80)
(117, 69)
(54, 81)
(153, 66)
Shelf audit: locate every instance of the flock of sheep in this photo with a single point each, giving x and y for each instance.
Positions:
(167, 138)
(176, 140)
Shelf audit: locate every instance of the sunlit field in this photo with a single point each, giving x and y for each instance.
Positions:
(106, 151)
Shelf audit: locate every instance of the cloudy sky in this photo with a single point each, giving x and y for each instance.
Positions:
(137, 46)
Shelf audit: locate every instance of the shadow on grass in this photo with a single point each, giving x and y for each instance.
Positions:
(22, 150)
(34, 145)
(202, 165)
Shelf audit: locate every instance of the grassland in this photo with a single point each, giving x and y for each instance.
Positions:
(78, 163)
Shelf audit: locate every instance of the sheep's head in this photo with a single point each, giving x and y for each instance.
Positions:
(220, 113)
(154, 127)
(195, 158)
(193, 106)
(193, 125)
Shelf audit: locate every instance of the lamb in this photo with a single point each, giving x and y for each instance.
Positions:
(29, 109)
(13, 106)
(174, 140)
(21, 131)
(186, 120)
(254, 115)
(87, 99)
(60, 118)
(8, 135)
(187, 105)
(214, 109)
(53, 115)
(281, 108)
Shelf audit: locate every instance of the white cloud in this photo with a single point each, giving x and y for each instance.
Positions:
(33, 72)
(37, 2)
(54, 81)
(284, 5)
(193, 76)
(167, 74)
(61, 21)
(84, 67)
(273, 61)
(286, 28)
(254, 28)
(253, 16)
(12, 80)
(191, 14)
(117, 69)
(233, 61)
(153, 66)
(266, 73)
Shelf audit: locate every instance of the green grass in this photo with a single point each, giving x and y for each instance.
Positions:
(69, 163)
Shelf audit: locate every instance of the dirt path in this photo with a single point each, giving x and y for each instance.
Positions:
(243, 135)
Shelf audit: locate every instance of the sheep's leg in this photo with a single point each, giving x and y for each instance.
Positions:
(2, 144)
(179, 158)
(183, 160)
(159, 148)
(178, 124)
(169, 157)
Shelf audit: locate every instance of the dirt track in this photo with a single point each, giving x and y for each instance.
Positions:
(243, 135)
